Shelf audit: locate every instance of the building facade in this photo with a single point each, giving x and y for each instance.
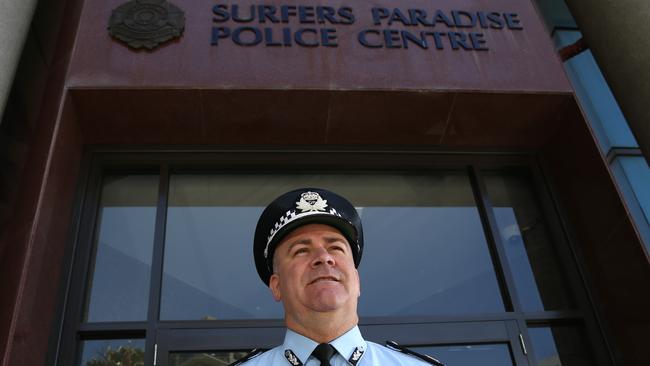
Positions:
(503, 195)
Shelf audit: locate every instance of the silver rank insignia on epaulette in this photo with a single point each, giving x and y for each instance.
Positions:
(292, 358)
(251, 355)
(356, 356)
(426, 358)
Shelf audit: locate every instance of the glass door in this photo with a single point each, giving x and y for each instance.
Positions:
(465, 259)
(489, 343)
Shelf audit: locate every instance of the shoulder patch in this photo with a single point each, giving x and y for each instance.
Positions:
(251, 355)
(426, 358)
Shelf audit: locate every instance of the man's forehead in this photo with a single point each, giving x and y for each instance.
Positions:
(313, 229)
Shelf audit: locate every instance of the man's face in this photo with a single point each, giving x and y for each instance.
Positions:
(314, 271)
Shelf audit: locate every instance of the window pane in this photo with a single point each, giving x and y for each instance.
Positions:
(426, 253)
(423, 235)
(123, 352)
(527, 244)
(222, 358)
(208, 270)
(470, 354)
(560, 346)
(122, 267)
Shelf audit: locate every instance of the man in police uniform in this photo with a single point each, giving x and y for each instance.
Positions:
(307, 247)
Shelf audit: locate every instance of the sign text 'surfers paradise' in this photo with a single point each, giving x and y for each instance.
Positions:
(316, 26)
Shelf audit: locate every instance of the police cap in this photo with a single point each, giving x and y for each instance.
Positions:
(301, 207)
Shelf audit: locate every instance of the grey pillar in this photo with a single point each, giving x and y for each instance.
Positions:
(15, 18)
(618, 34)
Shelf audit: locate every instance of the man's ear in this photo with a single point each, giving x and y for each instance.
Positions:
(358, 281)
(274, 285)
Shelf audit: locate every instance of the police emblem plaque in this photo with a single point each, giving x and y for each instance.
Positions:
(146, 23)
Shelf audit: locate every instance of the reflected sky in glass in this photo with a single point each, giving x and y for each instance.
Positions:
(527, 243)
(122, 269)
(425, 251)
(426, 261)
(546, 352)
(518, 258)
(209, 271)
(560, 346)
(469, 355)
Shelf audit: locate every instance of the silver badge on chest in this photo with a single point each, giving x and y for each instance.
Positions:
(356, 356)
(292, 358)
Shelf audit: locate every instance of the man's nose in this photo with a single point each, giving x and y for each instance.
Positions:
(322, 256)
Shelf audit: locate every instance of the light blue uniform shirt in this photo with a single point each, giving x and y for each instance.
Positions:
(372, 354)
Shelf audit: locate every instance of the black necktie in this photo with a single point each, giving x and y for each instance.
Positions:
(323, 353)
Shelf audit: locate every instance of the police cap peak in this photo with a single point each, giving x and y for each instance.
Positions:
(301, 207)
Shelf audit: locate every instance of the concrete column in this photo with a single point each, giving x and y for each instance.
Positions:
(15, 18)
(617, 32)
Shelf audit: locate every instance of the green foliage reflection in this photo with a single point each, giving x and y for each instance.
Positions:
(122, 356)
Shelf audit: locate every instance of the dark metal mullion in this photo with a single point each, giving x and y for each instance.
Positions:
(126, 327)
(162, 340)
(79, 281)
(157, 265)
(486, 205)
(570, 261)
(559, 242)
(520, 352)
(504, 273)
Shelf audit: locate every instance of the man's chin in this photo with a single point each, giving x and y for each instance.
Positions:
(326, 307)
(327, 301)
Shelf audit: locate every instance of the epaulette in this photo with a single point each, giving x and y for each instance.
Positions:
(251, 355)
(426, 358)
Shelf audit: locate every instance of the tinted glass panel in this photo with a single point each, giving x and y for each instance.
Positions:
(522, 228)
(470, 355)
(456, 355)
(560, 346)
(223, 358)
(426, 253)
(122, 267)
(123, 352)
(424, 245)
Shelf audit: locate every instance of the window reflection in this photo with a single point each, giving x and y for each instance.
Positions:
(221, 358)
(122, 269)
(560, 346)
(470, 354)
(424, 241)
(526, 241)
(434, 260)
(123, 352)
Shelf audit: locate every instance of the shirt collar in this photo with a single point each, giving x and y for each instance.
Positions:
(302, 346)
(348, 342)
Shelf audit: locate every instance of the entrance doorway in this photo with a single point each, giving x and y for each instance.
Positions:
(465, 257)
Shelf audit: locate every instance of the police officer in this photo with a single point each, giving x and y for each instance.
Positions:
(307, 247)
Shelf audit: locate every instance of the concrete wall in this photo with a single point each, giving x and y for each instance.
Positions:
(15, 17)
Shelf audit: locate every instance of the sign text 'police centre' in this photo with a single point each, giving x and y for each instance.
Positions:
(316, 26)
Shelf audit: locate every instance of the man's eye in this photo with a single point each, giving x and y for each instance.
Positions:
(339, 248)
(300, 251)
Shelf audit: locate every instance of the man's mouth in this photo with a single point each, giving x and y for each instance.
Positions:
(324, 278)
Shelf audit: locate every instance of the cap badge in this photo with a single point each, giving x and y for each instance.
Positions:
(311, 202)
